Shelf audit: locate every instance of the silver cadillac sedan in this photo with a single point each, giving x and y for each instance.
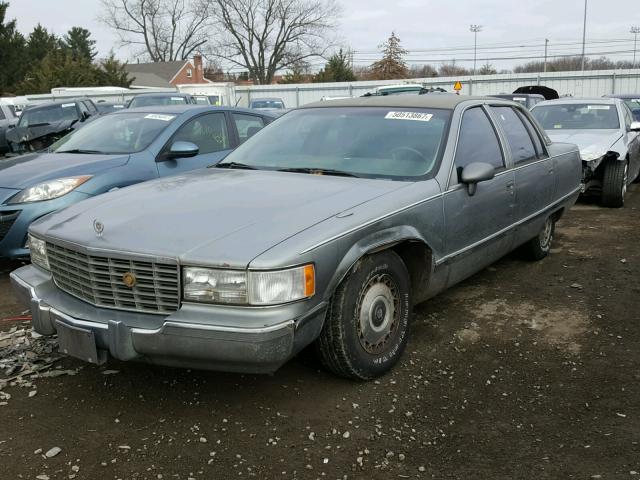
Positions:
(325, 228)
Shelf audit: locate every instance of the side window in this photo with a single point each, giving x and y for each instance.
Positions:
(535, 136)
(478, 141)
(2, 116)
(520, 142)
(628, 116)
(91, 107)
(247, 125)
(83, 108)
(208, 132)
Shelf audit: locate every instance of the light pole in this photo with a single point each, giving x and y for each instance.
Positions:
(546, 48)
(635, 31)
(584, 33)
(475, 29)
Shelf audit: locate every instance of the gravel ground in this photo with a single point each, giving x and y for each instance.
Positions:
(523, 371)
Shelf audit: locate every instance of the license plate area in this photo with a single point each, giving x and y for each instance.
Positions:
(80, 343)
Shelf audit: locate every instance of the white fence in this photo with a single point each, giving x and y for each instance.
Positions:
(578, 84)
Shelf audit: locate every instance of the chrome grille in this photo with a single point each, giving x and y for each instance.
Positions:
(99, 281)
(6, 222)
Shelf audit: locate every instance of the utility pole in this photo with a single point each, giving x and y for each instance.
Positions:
(546, 49)
(475, 29)
(635, 31)
(584, 33)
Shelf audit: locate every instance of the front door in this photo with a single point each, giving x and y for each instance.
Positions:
(210, 133)
(478, 226)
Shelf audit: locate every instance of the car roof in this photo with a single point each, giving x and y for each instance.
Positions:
(447, 101)
(578, 100)
(511, 95)
(624, 96)
(262, 99)
(188, 108)
(163, 94)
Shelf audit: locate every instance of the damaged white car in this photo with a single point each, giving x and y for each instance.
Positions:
(608, 138)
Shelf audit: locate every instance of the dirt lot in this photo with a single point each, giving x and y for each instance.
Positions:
(524, 371)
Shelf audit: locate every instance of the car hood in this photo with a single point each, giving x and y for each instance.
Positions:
(27, 170)
(587, 140)
(26, 134)
(211, 217)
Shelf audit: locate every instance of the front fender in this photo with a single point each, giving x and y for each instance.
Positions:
(371, 243)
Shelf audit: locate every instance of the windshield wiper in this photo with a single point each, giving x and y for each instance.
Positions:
(318, 171)
(79, 150)
(43, 124)
(240, 166)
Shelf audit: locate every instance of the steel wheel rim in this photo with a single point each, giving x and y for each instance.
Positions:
(378, 313)
(546, 234)
(625, 178)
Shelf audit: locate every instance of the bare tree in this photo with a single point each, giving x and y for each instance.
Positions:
(265, 36)
(163, 30)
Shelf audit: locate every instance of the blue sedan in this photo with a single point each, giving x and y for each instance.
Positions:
(112, 152)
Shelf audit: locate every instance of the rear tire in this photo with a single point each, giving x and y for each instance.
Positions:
(367, 323)
(539, 247)
(614, 183)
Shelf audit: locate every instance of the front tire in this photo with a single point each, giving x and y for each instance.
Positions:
(539, 247)
(367, 324)
(614, 183)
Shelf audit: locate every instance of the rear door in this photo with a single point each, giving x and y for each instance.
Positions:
(633, 139)
(534, 170)
(210, 132)
(478, 226)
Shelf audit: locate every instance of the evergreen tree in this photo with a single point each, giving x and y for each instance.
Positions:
(77, 42)
(39, 44)
(60, 69)
(391, 65)
(12, 49)
(112, 73)
(337, 69)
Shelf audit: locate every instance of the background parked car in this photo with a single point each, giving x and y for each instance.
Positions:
(41, 125)
(8, 120)
(527, 100)
(608, 138)
(110, 107)
(632, 101)
(266, 104)
(161, 99)
(114, 151)
(326, 227)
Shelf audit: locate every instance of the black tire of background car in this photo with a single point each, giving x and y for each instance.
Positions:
(538, 248)
(339, 346)
(614, 183)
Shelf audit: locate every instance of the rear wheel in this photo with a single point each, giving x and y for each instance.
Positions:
(614, 183)
(539, 247)
(367, 324)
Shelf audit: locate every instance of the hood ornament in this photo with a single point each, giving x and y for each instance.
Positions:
(98, 227)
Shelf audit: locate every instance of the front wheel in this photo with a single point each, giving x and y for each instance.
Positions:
(367, 324)
(614, 183)
(539, 247)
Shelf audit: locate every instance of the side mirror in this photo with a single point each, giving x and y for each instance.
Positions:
(183, 150)
(635, 127)
(475, 173)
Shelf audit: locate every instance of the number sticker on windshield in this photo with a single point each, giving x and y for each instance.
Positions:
(67, 105)
(417, 116)
(158, 116)
(177, 99)
(598, 107)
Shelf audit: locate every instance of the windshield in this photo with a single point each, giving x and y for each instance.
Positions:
(275, 104)
(144, 101)
(577, 116)
(47, 115)
(115, 134)
(371, 142)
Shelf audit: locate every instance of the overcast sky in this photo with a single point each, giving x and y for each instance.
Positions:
(420, 24)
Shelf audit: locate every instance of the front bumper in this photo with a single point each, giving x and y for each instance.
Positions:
(13, 233)
(197, 336)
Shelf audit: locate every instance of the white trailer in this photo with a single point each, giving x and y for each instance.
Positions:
(222, 93)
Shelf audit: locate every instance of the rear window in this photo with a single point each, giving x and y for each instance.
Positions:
(577, 116)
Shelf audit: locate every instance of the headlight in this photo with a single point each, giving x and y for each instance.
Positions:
(49, 190)
(38, 250)
(253, 288)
